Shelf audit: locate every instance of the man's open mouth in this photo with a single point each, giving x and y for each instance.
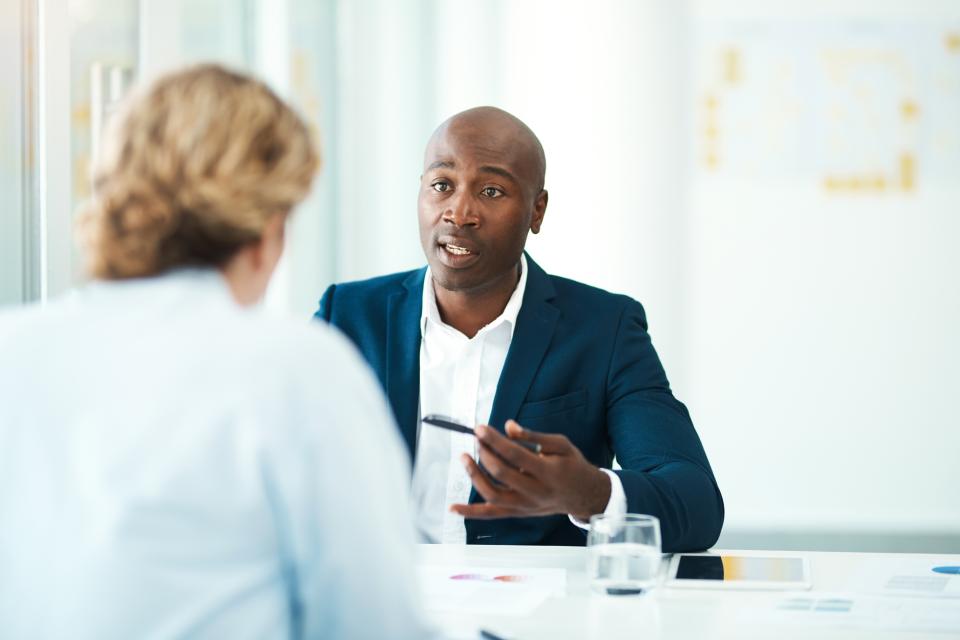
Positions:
(457, 250)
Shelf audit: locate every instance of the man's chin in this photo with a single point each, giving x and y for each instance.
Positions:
(453, 281)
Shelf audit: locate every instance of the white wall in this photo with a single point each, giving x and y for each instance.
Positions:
(384, 97)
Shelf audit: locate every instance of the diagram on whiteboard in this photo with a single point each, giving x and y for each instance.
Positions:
(859, 107)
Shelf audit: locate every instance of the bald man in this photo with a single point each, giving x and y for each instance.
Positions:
(484, 336)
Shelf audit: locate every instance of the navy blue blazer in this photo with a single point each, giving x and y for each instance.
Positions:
(581, 363)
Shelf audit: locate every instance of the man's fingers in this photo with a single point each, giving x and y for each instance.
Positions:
(517, 456)
(513, 478)
(485, 486)
(503, 496)
(551, 443)
(480, 480)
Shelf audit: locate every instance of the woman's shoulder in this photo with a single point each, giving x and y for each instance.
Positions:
(304, 350)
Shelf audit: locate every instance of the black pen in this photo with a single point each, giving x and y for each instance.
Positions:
(446, 423)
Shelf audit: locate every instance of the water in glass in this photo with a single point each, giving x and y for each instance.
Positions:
(625, 568)
(623, 554)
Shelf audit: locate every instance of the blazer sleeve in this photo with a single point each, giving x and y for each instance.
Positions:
(325, 312)
(665, 469)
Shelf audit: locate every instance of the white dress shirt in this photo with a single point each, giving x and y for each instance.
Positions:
(458, 379)
(172, 465)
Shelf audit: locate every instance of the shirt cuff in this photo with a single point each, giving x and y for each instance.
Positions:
(616, 505)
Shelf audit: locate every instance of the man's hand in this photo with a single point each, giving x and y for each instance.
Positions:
(557, 480)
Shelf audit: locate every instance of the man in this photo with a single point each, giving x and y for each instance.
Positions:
(485, 336)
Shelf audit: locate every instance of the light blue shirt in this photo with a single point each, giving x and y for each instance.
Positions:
(172, 465)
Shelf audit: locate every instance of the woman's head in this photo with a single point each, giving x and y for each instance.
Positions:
(194, 170)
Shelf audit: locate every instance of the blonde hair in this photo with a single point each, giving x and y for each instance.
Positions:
(191, 170)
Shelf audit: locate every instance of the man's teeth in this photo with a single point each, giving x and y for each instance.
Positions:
(459, 251)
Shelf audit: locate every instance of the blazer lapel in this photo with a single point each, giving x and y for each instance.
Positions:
(403, 355)
(531, 338)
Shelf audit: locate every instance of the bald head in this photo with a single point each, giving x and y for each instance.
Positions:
(498, 133)
(481, 194)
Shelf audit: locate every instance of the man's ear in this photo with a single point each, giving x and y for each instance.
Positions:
(539, 210)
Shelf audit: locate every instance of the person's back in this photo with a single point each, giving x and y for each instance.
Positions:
(173, 464)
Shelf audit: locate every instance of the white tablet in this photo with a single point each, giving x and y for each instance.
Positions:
(711, 571)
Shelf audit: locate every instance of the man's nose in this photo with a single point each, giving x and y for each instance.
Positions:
(461, 211)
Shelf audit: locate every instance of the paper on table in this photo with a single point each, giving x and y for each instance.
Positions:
(907, 577)
(499, 590)
(850, 610)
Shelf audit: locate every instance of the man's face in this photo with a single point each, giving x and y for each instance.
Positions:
(478, 200)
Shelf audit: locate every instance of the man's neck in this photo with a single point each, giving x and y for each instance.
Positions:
(470, 311)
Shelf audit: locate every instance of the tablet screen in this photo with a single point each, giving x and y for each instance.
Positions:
(740, 568)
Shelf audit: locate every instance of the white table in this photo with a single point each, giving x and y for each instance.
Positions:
(667, 613)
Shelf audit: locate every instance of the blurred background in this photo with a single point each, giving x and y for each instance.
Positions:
(777, 182)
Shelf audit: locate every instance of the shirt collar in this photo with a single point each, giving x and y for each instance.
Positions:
(207, 284)
(510, 312)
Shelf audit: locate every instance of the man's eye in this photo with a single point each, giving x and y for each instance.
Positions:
(441, 186)
(492, 192)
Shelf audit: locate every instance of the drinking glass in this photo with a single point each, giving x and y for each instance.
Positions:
(623, 554)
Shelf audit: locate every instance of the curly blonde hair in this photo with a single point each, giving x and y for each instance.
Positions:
(191, 170)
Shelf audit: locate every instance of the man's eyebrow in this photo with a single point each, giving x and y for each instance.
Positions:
(440, 164)
(500, 171)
